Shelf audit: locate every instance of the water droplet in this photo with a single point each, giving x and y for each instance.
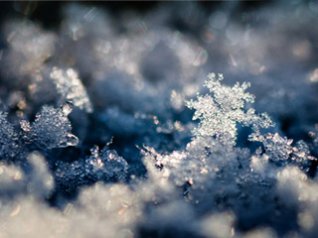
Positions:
(71, 140)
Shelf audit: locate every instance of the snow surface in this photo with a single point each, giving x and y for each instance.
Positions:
(178, 122)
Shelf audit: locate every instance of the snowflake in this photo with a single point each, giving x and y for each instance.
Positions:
(220, 111)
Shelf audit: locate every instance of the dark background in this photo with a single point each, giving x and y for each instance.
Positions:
(48, 13)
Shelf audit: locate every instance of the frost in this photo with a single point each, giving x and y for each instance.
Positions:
(104, 165)
(9, 138)
(52, 129)
(277, 147)
(71, 89)
(280, 149)
(70, 86)
(211, 165)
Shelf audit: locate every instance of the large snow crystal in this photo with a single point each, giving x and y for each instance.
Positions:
(222, 111)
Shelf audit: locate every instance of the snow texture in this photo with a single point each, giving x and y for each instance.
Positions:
(116, 126)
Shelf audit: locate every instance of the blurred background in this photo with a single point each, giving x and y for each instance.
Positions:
(49, 13)
(272, 44)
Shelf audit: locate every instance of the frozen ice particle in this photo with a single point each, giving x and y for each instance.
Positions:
(71, 89)
(9, 142)
(52, 129)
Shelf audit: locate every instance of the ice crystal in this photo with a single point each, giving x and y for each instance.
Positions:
(52, 129)
(222, 111)
(281, 149)
(9, 143)
(71, 89)
(68, 87)
(277, 147)
(104, 165)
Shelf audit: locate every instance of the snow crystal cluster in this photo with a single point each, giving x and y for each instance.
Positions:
(115, 126)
